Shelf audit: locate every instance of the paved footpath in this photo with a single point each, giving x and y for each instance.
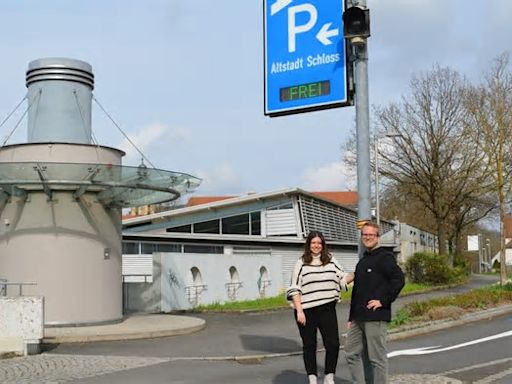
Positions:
(52, 369)
(49, 368)
(226, 337)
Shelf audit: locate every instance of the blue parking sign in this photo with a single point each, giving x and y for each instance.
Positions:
(305, 56)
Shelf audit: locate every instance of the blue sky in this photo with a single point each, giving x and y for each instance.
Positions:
(185, 79)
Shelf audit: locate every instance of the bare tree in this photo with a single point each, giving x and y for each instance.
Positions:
(467, 216)
(433, 158)
(399, 203)
(490, 114)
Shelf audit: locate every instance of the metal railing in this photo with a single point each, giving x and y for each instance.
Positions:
(193, 292)
(233, 288)
(4, 284)
(147, 278)
(262, 286)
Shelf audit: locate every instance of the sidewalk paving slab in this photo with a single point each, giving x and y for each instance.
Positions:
(131, 328)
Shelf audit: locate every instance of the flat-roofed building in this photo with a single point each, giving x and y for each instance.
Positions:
(231, 248)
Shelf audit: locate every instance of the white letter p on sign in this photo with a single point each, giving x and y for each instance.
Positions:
(293, 29)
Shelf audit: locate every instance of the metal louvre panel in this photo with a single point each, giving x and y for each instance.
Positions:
(280, 222)
(386, 227)
(347, 260)
(335, 222)
(137, 268)
(288, 257)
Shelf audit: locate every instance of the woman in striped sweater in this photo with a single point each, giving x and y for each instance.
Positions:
(317, 281)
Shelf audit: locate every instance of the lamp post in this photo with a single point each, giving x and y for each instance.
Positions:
(377, 195)
(489, 255)
(376, 150)
(480, 253)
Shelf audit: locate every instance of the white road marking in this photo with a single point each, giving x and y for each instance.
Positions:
(488, 379)
(493, 378)
(476, 366)
(436, 349)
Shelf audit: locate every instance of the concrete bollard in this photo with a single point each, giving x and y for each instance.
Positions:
(21, 324)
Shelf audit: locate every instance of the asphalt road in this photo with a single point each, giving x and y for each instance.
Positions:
(474, 353)
(208, 355)
(483, 362)
(238, 334)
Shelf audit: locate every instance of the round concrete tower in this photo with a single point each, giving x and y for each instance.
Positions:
(61, 198)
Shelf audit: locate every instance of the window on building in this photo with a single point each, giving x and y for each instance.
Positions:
(236, 225)
(181, 229)
(212, 226)
(256, 223)
(251, 250)
(288, 205)
(168, 248)
(130, 248)
(244, 224)
(195, 248)
(148, 248)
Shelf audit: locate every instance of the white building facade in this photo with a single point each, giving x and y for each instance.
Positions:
(240, 248)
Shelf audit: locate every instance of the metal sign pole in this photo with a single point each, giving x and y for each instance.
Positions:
(363, 131)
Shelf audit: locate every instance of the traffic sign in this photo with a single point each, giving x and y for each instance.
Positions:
(305, 56)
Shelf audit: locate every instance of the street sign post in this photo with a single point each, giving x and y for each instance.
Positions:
(305, 56)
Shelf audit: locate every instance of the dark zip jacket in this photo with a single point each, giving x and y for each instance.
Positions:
(377, 277)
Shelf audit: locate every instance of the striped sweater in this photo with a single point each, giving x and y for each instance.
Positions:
(316, 283)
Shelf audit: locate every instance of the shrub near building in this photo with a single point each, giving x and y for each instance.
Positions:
(432, 268)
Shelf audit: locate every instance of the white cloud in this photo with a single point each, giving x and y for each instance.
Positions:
(168, 85)
(328, 177)
(409, 36)
(222, 179)
(154, 137)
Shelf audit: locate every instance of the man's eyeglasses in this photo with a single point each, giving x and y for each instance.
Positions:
(370, 235)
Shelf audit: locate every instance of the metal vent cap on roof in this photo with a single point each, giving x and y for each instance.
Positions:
(59, 100)
(60, 69)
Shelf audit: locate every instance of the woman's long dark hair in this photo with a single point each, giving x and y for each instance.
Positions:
(325, 256)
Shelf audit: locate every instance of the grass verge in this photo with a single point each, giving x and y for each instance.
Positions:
(263, 304)
(453, 307)
(278, 302)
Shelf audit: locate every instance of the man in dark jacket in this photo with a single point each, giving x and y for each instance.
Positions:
(377, 283)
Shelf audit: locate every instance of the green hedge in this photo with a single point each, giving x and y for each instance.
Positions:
(431, 268)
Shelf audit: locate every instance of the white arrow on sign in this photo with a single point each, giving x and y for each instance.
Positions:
(278, 5)
(429, 350)
(324, 34)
